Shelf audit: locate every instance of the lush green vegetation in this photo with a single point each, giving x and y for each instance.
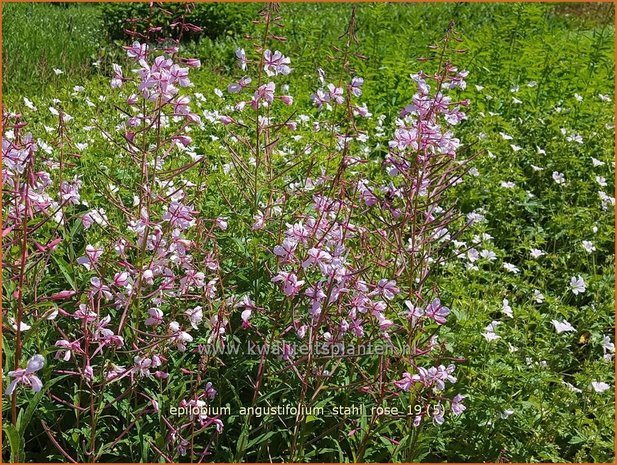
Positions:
(539, 135)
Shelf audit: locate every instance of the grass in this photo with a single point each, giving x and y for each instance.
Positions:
(39, 37)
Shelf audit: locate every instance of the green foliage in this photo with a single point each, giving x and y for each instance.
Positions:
(39, 37)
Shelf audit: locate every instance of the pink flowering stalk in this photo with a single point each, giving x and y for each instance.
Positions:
(141, 278)
(353, 250)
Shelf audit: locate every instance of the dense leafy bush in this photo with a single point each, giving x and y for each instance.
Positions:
(216, 19)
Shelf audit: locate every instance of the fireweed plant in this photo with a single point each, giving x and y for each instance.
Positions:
(312, 248)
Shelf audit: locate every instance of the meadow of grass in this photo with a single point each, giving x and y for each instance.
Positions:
(534, 350)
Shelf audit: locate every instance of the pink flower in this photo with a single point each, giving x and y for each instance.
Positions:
(83, 313)
(263, 93)
(115, 372)
(457, 404)
(181, 106)
(195, 316)
(210, 391)
(320, 98)
(69, 191)
(142, 365)
(105, 335)
(384, 323)
(156, 317)
(62, 295)
(317, 295)
(98, 288)
(388, 289)
(179, 337)
(286, 250)
(289, 281)
(137, 51)
(27, 376)
(287, 351)
(298, 232)
(356, 84)
(121, 279)
(242, 61)
(234, 88)
(437, 414)
(221, 223)
(317, 256)
(179, 215)
(91, 258)
(68, 347)
(192, 62)
(287, 99)
(260, 221)
(335, 93)
(245, 316)
(117, 78)
(405, 383)
(148, 277)
(276, 63)
(437, 312)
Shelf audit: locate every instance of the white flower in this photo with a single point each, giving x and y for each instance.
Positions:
(506, 413)
(562, 326)
(488, 255)
(507, 184)
(58, 71)
(29, 103)
(588, 246)
(558, 177)
(596, 162)
(538, 297)
(22, 326)
(511, 268)
(579, 98)
(506, 308)
(489, 331)
(602, 181)
(577, 285)
(599, 386)
(572, 387)
(575, 138)
(607, 345)
(536, 253)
